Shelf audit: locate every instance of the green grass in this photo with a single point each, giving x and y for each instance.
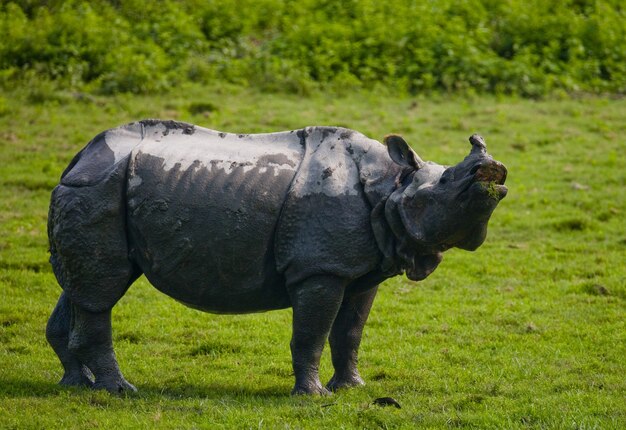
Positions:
(527, 332)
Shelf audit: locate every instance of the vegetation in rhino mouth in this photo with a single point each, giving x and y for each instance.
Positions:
(492, 189)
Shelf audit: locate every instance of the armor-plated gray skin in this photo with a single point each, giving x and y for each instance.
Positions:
(312, 219)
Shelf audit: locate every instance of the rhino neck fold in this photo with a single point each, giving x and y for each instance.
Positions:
(401, 252)
(388, 232)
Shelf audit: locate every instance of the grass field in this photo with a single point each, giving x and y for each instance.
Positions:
(529, 331)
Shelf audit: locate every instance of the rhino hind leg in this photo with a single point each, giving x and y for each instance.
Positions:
(345, 338)
(57, 334)
(90, 341)
(89, 256)
(315, 303)
(83, 342)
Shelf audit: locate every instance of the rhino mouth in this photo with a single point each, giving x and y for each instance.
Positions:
(488, 178)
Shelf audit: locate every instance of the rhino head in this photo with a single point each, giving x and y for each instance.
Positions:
(435, 208)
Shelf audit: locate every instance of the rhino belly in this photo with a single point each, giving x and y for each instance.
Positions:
(203, 232)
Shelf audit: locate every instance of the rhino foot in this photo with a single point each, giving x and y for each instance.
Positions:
(78, 378)
(117, 386)
(337, 383)
(311, 389)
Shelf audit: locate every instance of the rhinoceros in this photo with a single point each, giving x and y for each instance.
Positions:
(314, 219)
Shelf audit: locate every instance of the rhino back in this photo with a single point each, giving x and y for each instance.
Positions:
(203, 208)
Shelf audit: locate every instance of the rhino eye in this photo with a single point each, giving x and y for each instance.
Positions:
(447, 176)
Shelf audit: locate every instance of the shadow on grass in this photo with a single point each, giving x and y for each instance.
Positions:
(28, 388)
(217, 391)
(36, 388)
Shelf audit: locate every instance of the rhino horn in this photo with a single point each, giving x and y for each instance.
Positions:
(478, 144)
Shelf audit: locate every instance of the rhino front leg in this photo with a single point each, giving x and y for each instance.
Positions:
(345, 339)
(315, 304)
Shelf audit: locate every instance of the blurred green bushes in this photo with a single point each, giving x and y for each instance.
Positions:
(525, 47)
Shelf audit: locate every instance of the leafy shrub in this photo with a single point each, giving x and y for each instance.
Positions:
(525, 47)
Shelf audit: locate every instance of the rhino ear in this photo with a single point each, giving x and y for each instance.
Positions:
(401, 153)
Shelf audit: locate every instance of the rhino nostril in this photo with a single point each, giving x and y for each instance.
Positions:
(475, 169)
